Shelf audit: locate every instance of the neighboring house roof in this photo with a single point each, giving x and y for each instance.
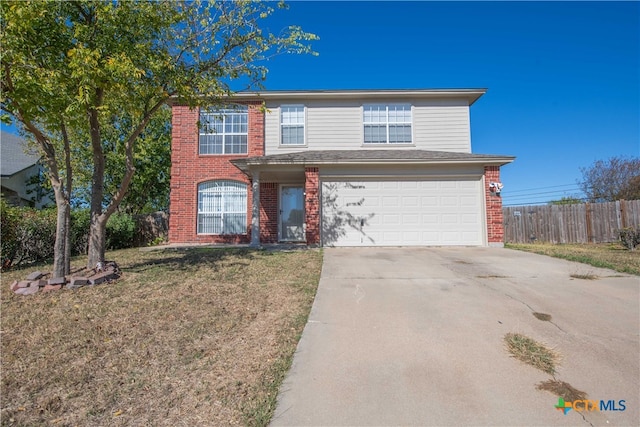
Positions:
(13, 158)
(371, 157)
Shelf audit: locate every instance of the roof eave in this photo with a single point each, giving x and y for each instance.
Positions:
(471, 95)
(248, 164)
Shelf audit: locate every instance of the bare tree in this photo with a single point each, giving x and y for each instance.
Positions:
(613, 179)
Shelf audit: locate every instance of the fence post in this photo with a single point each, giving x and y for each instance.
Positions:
(623, 213)
(587, 212)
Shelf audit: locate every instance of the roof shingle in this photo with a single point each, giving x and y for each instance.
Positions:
(13, 157)
(372, 156)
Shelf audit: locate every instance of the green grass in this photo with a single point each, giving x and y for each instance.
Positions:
(185, 337)
(604, 255)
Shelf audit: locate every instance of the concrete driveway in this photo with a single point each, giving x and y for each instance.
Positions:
(414, 336)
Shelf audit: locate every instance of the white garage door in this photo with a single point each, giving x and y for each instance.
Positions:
(402, 213)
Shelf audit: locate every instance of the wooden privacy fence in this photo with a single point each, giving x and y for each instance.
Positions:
(581, 223)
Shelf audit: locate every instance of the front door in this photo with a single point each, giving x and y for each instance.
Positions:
(292, 213)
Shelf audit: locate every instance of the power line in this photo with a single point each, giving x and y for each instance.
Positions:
(544, 188)
(533, 195)
(525, 204)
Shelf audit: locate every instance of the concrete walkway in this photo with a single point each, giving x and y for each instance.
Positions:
(414, 336)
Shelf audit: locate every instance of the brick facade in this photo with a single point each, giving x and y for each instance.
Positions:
(268, 212)
(189, 168)
(312, 205)
(495, 227)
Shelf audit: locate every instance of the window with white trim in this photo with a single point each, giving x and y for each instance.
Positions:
(387, 124)
(224, 131)
(222, 207)
(292, 125)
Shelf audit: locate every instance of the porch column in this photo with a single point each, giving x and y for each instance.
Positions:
(255, 209)
(493, 201)
(312, 205)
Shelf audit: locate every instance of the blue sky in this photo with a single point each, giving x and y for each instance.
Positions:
(563, 78)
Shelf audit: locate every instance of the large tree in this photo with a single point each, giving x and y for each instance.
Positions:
(613, 179)
(149, 187)
(91, 75)
(36, 90)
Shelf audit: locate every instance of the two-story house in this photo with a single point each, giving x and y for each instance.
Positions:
(334, 168)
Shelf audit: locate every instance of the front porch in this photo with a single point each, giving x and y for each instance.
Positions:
(285, 206)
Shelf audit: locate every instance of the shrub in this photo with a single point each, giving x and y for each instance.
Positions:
(120, 233)
(121, 230)
(38, 235)
(28, 235)
(630, 237)
(9, 243)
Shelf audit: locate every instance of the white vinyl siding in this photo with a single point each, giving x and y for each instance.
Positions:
(328, 127)
(402, 212)
(222, 207)
(224, 131)
(440, 125)
(292, 125)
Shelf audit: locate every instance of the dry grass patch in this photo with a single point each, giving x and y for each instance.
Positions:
(186, 337)
(586, 276)
(562, 389)
(605, 255)
(532, 352)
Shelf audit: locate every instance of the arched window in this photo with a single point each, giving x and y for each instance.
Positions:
(222, 207)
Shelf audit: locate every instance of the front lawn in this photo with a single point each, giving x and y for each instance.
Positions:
(605, 255)
(185, 337)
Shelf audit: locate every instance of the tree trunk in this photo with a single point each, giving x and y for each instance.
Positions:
(97, 229)
(62, 246)
(97, 239)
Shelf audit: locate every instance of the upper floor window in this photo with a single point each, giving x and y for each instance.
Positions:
(224, 131)
(387, 124)
(222, 207)
(292, 125)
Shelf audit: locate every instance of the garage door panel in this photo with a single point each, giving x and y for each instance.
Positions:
(391, 219)
(402, 212)
(450, 219)
(430, 236)
(411, 220)
(449, 201)
(409, 185)
(429, 201)
(390, 185)
(448, 185)
(428, 185)
(411, 238)
(470, 218)
(409, 201)
(429, 219)
(470, 236)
